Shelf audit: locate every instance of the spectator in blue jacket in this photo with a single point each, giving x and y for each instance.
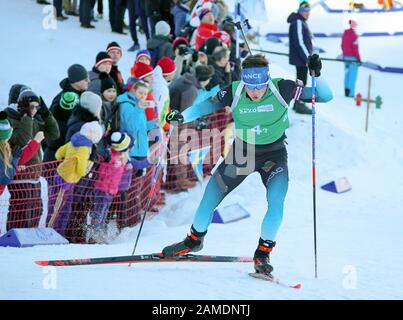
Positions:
(301, 47)
(132, 119)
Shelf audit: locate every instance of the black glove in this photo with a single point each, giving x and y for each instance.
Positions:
(314, 65)
(176, 116)
(43, 111)
(195, 56)
(16, 152)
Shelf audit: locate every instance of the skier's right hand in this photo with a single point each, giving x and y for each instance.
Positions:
(175, 116)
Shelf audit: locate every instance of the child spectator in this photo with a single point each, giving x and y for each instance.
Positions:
(107, 185)
(76, 165)
(206, 29)
(143, 56)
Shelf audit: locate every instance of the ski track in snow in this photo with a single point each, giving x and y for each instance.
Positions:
(359, 232)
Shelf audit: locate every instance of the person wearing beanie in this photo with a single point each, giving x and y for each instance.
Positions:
(160, 45)
(349, 46)
(222, 68)
(163, 75)
(29, 117)
(75, 83)
(15, 92)
(103, 63)
(108, 94)
(207, 28)
(183, 55)
(115, 52)
(107, 183)
(143, 56)
(144, 72)
(88, 110)
(300, 48)
(10, 159)
(184, 90)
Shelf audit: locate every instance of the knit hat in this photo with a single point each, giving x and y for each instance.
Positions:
(120, 141)
(107, 82)
(180, 40)
(69, 100)
(91, 102)
(204, 12)
(223, 37)
(102, 57)
(5, 128)
(210, 44)
(204, 72)
(304, 6)
(92, 131)
(162, 28)
(76, 73)
(15, 92)
(28, 94)
(113, 46)
(143, 53)
(167, 65)
(142, 70)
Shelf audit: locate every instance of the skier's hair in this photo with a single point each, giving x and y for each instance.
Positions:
(255, 61)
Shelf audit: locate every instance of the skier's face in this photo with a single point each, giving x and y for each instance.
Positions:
(256, 94)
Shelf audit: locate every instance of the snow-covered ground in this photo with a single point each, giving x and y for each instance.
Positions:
(359, 232)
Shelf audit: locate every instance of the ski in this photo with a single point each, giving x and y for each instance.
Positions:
(154, 257)
(274, 280)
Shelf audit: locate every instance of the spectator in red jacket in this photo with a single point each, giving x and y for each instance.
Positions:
(349, 45)
(207, 28)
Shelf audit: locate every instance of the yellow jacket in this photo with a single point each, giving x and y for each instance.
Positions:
(76, 163)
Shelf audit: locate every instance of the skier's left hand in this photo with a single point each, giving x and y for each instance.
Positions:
(314, 65)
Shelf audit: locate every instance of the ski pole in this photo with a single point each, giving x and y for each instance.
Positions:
(314, 171)
(239, 26)
(154, 180)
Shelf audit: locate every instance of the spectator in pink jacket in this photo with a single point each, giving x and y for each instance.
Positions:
(349, 45)
(107, 185)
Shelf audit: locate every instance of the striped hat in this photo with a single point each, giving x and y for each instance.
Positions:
(113, 46)
(69, 100)
(168, 66)
(142, 70)
(5, 128)
(120, 141)
(143, 53)
(102, 57)
(304, 6)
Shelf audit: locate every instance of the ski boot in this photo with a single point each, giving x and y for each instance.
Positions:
(192, 243)
(262, 257)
